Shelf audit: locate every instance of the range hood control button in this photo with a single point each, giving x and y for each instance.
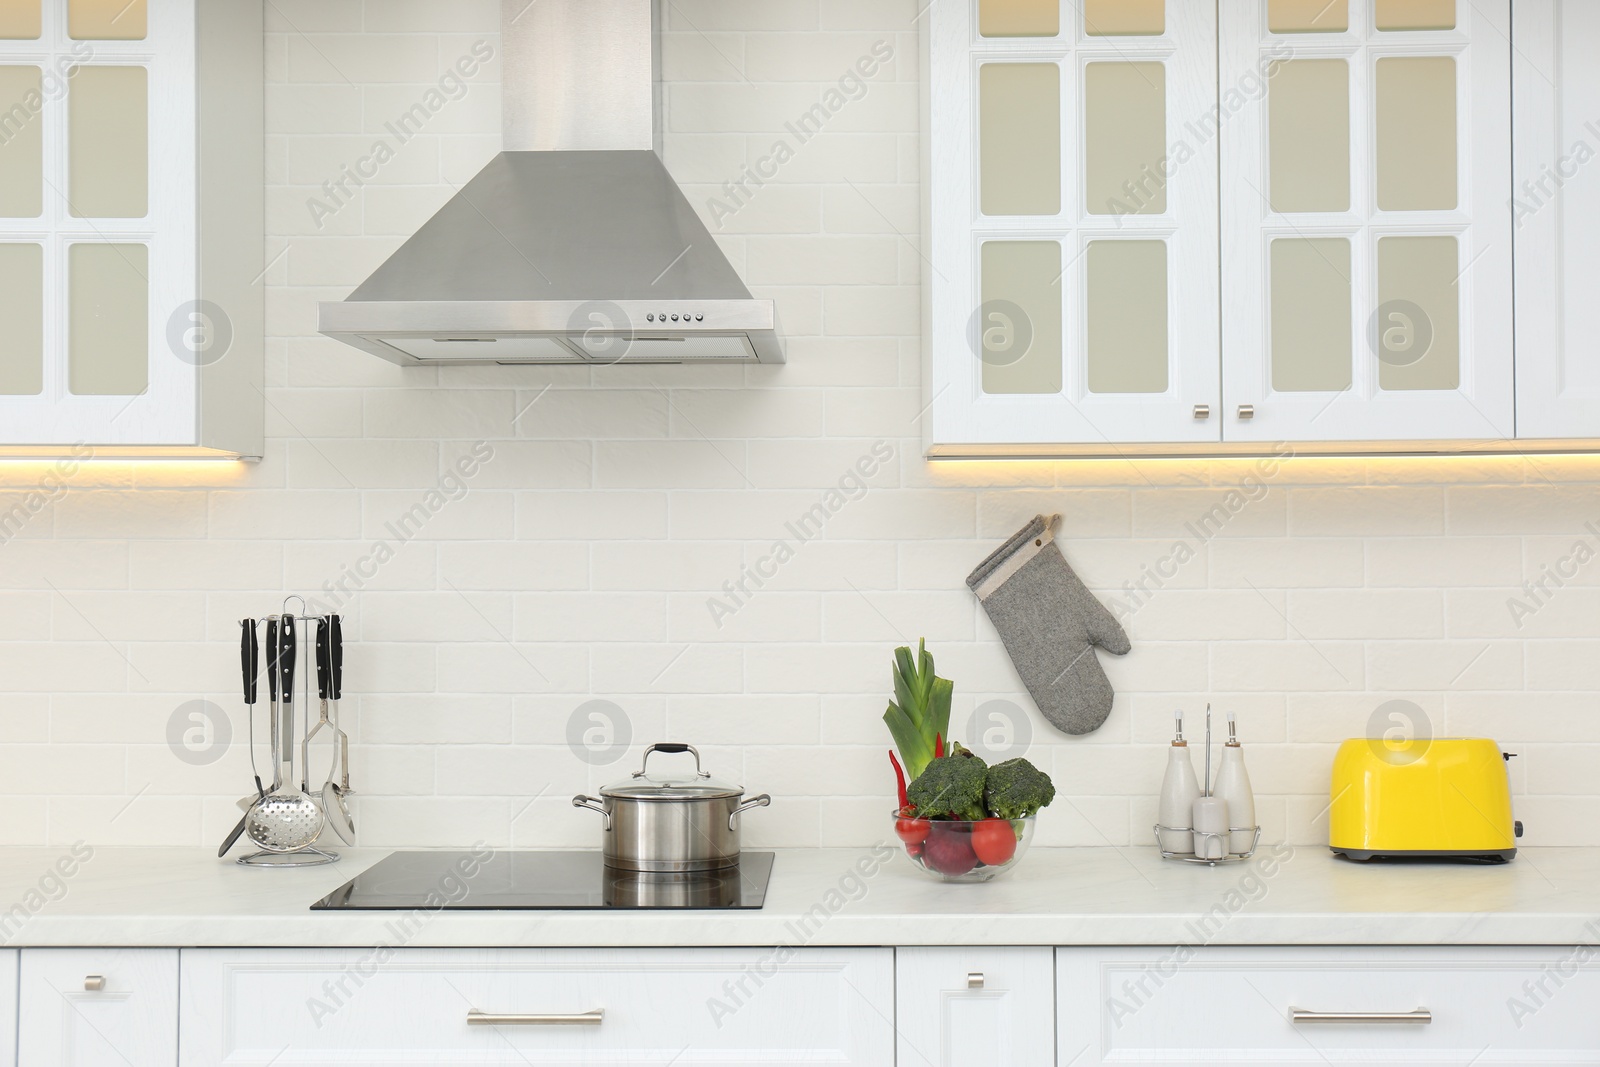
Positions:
(699, 318)
(650, 317)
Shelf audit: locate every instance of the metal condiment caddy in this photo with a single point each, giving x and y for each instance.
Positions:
(284, 820)
(1211, 837)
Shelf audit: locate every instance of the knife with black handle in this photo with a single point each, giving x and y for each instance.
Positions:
(275, 708)
(287, 649)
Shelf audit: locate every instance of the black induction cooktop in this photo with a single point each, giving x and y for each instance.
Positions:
(486, 880)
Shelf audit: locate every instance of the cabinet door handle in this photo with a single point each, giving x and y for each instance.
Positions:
(1421, 1015)
(94, 983)
(974, 979)
(588, 1018)
(1202, 411)
(1247, 411)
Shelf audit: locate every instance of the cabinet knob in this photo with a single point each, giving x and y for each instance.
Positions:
(94, 983)
(974, 979)
(1247, 411)
(1202, 411)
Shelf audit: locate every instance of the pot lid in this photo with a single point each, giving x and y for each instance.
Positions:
(672, 785)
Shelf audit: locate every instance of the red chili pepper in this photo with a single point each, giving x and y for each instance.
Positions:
(900, 777)
(938, 747)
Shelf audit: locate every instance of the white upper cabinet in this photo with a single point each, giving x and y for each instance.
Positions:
(1557, 218)
(1366, 239)
(1072, 232)
(1094, 288)
(131, 227)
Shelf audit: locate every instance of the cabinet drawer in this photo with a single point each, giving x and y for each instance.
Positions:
(1235, 1005)
(689, 1007)
(975, 1007)
(94, 1007)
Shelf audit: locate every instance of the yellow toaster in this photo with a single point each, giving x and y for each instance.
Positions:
(1438, 798)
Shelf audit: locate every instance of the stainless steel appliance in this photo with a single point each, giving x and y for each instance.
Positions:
(574, 245)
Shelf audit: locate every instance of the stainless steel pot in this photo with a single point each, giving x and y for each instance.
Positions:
(671, 822)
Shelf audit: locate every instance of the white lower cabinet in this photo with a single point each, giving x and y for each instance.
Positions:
(594, 1007)
(98, 1007)
(1373, 1006)
(974, 1007)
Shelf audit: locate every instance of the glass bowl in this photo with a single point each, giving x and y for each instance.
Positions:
(960, 851)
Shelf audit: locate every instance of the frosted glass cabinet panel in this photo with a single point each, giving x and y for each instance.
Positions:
(1124, 18)
(1308, 16)
(1557, 212)
(108, 142)
(20, 20)
(131, 228)
(108, 20)
(1019, 324)
(1073, 219)
(1125, 138)
(1366, 268)
(1019, 136)
(21, 144)
(1311, 325)
(22, 312)
(1418, 157)
(1019, 18)
(1308, 139)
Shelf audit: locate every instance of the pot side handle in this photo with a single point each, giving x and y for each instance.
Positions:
(761, 801)
(581, 801)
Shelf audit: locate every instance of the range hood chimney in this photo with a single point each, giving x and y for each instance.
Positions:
(573, 245)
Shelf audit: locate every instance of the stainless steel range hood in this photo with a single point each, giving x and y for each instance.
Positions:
(574, 245)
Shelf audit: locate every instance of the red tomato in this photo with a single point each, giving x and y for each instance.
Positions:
(949, 851)
(994, 841)
(912, 831)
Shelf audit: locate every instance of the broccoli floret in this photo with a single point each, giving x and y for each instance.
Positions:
(1016, 789)
(951, 787)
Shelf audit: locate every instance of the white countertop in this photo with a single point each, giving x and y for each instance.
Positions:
(1066, 896)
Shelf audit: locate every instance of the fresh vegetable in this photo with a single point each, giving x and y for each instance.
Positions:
(900, 778)
(1016, 789)
(994, 841)
(919, 715)
(951, 787)
(948, 850)
(911, 830)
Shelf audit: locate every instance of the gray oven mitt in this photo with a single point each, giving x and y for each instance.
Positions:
(1050, 624)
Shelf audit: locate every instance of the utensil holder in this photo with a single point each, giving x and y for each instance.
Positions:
(300, 698)
(1183, 857)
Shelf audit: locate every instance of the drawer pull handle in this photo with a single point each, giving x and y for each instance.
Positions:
(1421, 1015)
(588, 1018)
(94, 983)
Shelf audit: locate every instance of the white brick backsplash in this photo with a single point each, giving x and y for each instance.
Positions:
(577, 563)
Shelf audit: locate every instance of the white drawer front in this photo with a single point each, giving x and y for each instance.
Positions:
(129, 1018)
(975, 1007)
(1233, 1005)
(688, 1007)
